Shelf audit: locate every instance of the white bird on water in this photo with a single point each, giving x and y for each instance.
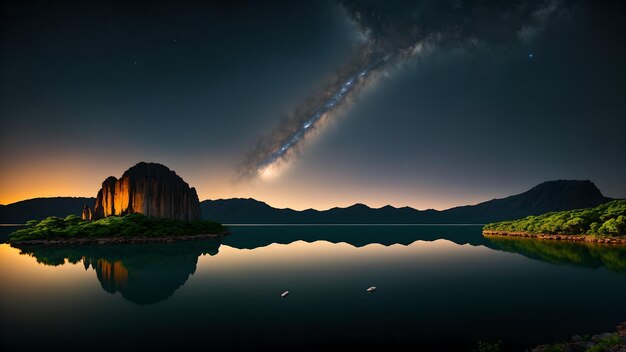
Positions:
(371, 289)
(284, 294)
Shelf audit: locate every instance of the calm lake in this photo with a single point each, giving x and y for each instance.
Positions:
(438, 288)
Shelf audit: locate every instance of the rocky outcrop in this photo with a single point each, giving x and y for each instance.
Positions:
(608, 341)
(150, 189)
(87, 214)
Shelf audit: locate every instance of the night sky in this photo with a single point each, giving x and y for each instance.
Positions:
(499, 99)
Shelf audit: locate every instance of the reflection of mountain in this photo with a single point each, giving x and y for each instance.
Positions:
(590, 255)
(244, 237)
(572, 253)
(142, 273)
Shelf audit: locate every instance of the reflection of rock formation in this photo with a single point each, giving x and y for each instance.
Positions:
(112, 276)
(144, 282)
(147, 188)
(590, 255)
(141, 273)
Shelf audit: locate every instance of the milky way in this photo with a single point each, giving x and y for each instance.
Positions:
(394, 34)
(324, 104)
(334, 102)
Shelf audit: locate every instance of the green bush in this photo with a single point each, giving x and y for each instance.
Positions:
(126, 226)
(607, 219)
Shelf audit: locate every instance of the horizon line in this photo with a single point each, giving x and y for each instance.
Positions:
(351, 205)
(264, 202)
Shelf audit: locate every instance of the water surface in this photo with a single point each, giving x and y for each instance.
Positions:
(438, 287)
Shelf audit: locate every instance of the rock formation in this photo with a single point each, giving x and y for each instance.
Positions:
(150, 189)
(87, 215)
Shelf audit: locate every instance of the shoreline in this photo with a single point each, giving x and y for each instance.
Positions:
(542, 236)
(117, 240)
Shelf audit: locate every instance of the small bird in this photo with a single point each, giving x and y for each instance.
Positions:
(371, 289)
(284, 294)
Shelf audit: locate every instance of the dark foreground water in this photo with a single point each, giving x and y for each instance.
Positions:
(439, 288)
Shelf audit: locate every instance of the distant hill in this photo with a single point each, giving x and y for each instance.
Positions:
(40, 208)
(543, 198)
(546, 197)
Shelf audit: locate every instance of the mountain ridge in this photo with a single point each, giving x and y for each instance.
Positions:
(42, 207)
(545, 197)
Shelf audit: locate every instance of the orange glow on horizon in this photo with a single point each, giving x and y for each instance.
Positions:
(82, 178)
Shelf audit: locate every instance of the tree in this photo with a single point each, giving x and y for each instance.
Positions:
(575, 226)
(609, 227)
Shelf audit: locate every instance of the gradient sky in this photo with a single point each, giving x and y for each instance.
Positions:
(90, 89)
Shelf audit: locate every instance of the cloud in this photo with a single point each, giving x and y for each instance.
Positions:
(538, 19)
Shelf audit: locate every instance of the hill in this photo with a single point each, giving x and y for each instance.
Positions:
(41, 208)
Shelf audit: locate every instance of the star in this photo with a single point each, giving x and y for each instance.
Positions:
(531, 56)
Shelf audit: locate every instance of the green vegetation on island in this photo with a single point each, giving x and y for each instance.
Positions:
(132, 225)
(605, 220)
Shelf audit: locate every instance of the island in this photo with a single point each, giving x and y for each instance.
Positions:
(149, 203)
(605, 223)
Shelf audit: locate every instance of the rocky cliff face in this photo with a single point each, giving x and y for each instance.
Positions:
(147, 188)
(86, 212)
